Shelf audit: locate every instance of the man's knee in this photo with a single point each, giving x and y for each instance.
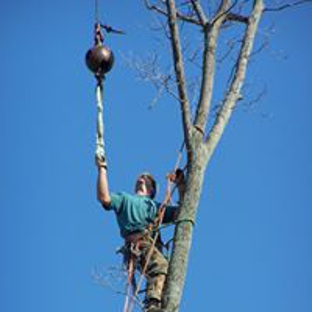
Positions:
(158, 266)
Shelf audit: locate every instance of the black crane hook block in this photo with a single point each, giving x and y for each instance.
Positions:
(99, 58)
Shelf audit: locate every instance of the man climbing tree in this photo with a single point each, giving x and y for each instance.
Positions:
(202, 131)
(209, 24)
(136, 216)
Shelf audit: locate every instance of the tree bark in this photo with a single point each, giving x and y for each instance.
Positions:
(184, 227)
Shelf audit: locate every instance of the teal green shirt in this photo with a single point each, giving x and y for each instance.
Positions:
(135, 212)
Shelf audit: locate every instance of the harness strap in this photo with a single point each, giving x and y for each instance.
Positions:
(186, 220)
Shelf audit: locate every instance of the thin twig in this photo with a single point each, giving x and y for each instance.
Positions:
(223, 12)
(180, 16)
(104, 282)
(286, 6)
(150, 71)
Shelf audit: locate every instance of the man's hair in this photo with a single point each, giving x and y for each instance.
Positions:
(150, 184)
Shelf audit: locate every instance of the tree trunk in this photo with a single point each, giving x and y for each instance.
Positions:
(184, 230)
(199, 144)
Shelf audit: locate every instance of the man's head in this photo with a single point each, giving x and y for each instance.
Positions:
(146, 185)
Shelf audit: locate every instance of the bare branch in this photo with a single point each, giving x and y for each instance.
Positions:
(233, 94)
(161, 26)
(222, 11)
(179, 70)
(180, 16)
(194, 88)
(194, 57)
(155, 8)
(107, 281)
(188, 19)
(286, 6)
(199, 12)
(252, 102)
(208, 70)
(230, 47)
(237, 18)
(149, 70)
(263, 45)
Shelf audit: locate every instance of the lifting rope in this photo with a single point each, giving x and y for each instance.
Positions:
(100, 146)
(100, 60)
(97, 11)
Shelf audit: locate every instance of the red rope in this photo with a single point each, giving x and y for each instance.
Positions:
(127, 306)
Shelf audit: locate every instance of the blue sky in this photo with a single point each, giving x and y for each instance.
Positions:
(252, 241)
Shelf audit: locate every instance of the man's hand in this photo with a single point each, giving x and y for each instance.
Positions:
(100, 161)
(177, 177)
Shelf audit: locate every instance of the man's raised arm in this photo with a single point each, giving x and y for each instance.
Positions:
(103, 194)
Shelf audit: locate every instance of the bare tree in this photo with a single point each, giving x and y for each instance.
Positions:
(202, 132)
